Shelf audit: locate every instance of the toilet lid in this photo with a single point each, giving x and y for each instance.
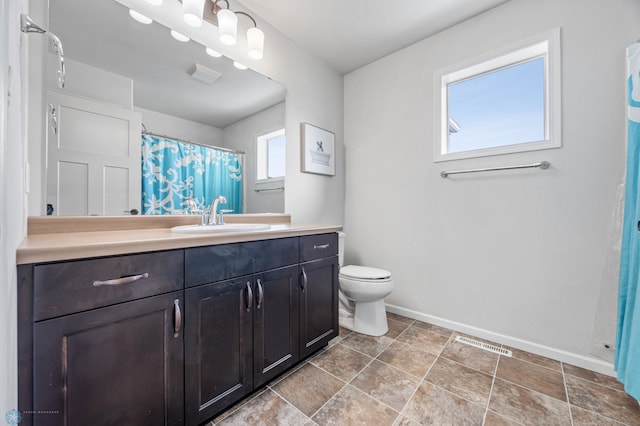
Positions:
(364, 273)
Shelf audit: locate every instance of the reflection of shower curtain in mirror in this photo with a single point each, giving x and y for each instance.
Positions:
(627, 358)
(173, 172)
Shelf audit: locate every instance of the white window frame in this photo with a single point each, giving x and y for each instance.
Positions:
(263, 139)
(545, 45)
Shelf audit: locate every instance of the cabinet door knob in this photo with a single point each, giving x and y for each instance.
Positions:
(249, 296)
(177, 318)
(305, 280)
(260, 294)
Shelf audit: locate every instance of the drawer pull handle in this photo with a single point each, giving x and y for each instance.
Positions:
(249, 296)
(305, 280)
(177, 318)
(320, 247)
(260, 294)
(123, 280)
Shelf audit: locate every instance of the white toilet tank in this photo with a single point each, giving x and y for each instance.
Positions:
(340, 248)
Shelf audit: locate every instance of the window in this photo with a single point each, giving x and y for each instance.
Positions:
(271, 155)
(503, 103)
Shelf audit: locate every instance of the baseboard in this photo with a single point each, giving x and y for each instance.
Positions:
(590, 363)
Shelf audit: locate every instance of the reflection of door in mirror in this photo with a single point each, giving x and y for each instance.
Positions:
(93, 157)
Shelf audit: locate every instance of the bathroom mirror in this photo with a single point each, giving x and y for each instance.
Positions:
(177, 89)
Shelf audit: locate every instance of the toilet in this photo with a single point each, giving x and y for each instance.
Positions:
(362, 293)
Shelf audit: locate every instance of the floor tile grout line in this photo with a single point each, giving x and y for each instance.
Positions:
(424, 379)
(291, 404)
(566, 392)
(346, 383)
(599, 414)
(493, 382)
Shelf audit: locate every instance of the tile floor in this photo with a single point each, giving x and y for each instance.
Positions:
(418, 375)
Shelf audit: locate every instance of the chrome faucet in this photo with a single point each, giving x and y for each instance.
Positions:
(214, 209)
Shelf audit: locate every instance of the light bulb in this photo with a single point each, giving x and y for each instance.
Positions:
(255, 40)
(140, 17)
(239, 65)
(192, 12)
(227, 26)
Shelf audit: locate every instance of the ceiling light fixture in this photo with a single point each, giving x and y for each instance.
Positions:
(154, 2)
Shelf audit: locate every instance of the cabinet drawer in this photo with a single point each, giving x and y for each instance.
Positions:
(206, 265)
(209, 264)
(272, 254)
(69, 287)
(319, 246)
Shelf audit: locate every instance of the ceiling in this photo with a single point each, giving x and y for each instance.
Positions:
(348, 34)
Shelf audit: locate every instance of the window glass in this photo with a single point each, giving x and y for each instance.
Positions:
(271, 155)
(503, 107)
(503, 103)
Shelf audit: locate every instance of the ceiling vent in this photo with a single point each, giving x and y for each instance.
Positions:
(204, 74)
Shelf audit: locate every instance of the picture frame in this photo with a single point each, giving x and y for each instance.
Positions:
(317, 150)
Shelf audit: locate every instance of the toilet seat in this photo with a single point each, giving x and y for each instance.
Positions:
(364, 273)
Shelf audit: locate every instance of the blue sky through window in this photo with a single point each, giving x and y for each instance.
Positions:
(502, 107)
(276, 154)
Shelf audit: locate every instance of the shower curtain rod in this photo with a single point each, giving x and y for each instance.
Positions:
(219, 148)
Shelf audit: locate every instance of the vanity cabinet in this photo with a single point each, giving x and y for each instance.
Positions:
(241, 331)
(170, 337)
(319, 291)
(101, 360)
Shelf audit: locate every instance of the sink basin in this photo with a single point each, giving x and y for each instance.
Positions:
(227, 227)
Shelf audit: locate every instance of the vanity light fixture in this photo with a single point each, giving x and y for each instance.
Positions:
(140, 17)
(195, 11)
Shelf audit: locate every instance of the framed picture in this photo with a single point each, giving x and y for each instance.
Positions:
(317, 150)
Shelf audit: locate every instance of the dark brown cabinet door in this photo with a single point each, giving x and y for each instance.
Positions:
(121, 364)
(318, 304)
(218, 342)
(276, 323)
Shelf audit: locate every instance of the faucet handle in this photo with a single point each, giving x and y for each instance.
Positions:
(221, 216)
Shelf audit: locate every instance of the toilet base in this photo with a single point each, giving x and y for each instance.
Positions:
(368, 318)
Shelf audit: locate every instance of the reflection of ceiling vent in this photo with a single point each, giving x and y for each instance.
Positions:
(204, 74)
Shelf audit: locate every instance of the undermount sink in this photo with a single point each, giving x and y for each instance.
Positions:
(227, 227)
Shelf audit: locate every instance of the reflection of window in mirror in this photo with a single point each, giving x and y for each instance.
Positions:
(271, 156)
(508, 103)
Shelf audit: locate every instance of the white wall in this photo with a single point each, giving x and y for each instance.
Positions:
(12, 196)
(163, 124)
(514, 256)
(242, 136)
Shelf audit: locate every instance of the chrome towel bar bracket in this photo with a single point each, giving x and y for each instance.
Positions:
(541, 165)
(28, 26)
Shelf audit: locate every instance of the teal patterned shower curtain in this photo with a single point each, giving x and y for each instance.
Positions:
(174, 172)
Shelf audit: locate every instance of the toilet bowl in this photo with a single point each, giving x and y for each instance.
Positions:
(362, 293)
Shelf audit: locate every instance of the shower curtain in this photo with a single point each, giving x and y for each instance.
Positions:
(627, 358)
(174, 172)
